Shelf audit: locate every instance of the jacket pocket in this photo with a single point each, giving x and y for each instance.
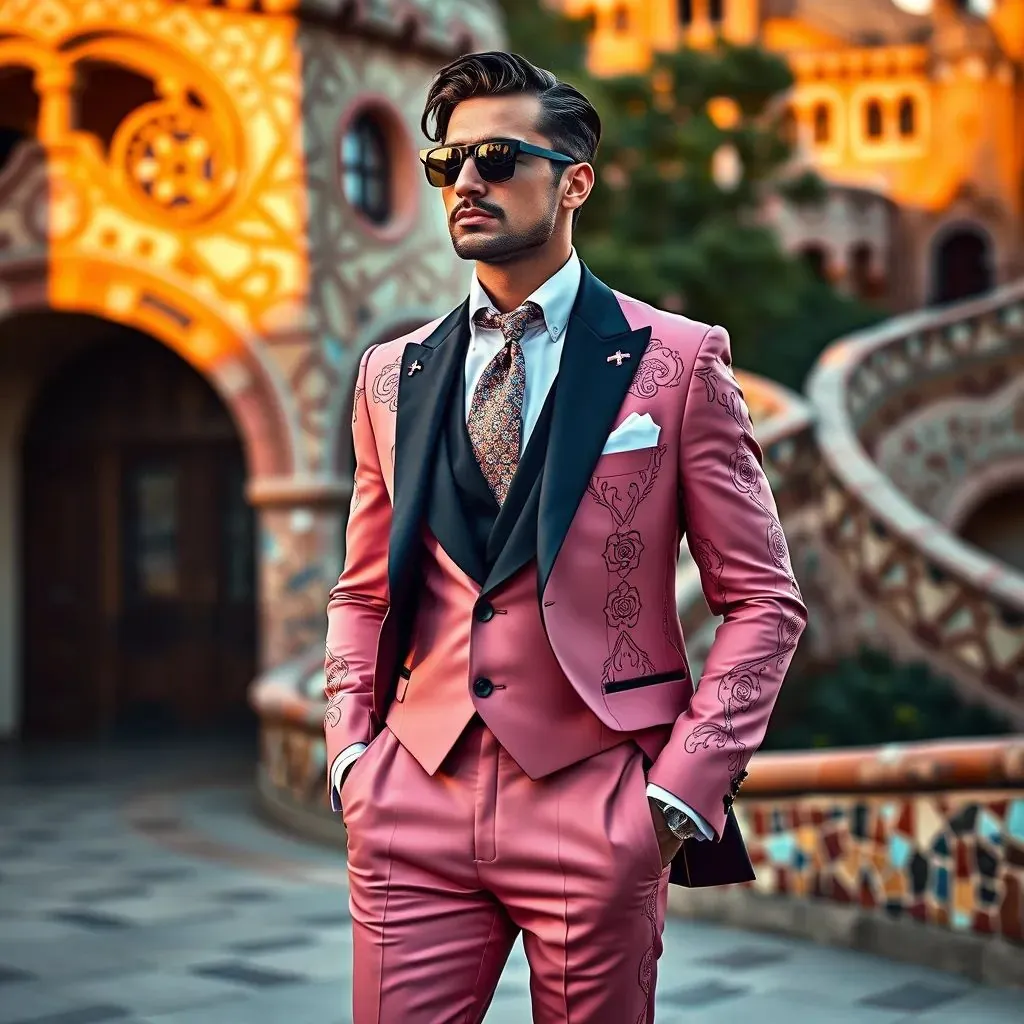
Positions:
(621, 685)
(620, 463)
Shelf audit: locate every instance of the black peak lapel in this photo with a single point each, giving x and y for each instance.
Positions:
(451, 522)
(600, 356)
(427, 374)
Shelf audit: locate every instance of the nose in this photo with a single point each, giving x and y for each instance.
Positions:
(469, 184)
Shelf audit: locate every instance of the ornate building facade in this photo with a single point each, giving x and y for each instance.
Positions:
(913, 111)
(207, 212)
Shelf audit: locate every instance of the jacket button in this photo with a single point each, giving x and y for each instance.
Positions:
(483, 687)
(484, 611)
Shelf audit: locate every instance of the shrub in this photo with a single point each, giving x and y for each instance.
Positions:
(869, 700)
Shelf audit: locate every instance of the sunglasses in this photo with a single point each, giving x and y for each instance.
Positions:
(495, 160)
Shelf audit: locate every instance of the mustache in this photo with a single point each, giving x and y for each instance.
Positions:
(480, 204)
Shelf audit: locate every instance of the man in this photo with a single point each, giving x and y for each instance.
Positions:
(512, 729)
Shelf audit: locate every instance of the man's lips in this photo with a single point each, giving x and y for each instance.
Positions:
(472, 216)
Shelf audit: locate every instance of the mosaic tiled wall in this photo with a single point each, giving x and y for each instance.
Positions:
(293, 763)
(935, 451)
(955, 860)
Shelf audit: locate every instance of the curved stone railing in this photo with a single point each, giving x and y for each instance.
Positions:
(934, 597)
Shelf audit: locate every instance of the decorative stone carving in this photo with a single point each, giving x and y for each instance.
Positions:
(174, 160)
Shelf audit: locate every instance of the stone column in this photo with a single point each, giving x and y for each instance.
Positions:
(56, 87)
(300, 552)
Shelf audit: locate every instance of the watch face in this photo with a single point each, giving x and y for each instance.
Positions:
(674, 817)
(679, 823)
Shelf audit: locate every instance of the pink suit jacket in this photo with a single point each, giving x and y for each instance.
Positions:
(608, 536)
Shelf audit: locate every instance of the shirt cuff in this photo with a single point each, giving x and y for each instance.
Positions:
(342, 763)
(673, 801)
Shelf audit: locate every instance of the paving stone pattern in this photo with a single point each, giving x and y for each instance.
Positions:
(99, 922)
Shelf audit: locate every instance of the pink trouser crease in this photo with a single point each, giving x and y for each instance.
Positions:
(446, 870)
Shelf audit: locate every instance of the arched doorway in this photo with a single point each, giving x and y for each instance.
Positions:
(963, 265)
(139, 605)
(860, 264)
(816, 259)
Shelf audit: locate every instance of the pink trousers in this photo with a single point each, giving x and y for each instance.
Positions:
(446, 870)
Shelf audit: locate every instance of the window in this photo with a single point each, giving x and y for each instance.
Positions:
(907, 111)
(686, 12)
(151, 552)
(621, 19)
(861, 270)
(716, 11)
(365, 168)
(789, 127)
(873, 120)
(816, 259)
(822, 124)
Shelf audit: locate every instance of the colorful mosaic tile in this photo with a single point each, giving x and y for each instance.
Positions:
(951, 860)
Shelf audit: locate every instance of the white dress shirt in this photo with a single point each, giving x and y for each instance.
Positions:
(542, 352)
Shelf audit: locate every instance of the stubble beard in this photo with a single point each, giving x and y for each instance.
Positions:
(507, 246)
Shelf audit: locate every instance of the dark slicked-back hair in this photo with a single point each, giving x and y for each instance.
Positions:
(567, 117)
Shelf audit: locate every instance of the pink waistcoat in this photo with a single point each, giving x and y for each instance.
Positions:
(493, 657)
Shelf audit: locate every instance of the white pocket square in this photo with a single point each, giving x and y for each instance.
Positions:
(634, 432)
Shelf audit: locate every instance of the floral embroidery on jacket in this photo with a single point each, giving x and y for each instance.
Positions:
(744, 467)
(335, 672)
(739, 690)
(709, 559)
(622, 552)
(385, 385)
(623, 606)
(621, 496)
(660, 367)
(627, 661)
(650, 956)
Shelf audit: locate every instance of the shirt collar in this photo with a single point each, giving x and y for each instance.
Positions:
(556, 296)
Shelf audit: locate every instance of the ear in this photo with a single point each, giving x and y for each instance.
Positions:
(578, 181)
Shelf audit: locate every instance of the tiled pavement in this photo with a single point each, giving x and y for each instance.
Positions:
(126, 898)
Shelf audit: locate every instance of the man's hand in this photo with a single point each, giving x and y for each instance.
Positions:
(667, 842)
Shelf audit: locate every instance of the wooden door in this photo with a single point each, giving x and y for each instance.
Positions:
(139, 566)
(963, 267)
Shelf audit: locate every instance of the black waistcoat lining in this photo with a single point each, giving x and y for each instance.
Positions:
(488, 525)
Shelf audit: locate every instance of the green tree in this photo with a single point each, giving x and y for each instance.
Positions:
(664, 226)
(693, 154)
(547, 38)
(869, 699)
(787, 350)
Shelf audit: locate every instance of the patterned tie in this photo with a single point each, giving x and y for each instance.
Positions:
(496, 412)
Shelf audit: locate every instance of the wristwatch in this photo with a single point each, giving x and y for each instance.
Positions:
(678, 823)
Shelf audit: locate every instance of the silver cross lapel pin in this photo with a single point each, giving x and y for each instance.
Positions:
(417, 365)
(617, 358)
